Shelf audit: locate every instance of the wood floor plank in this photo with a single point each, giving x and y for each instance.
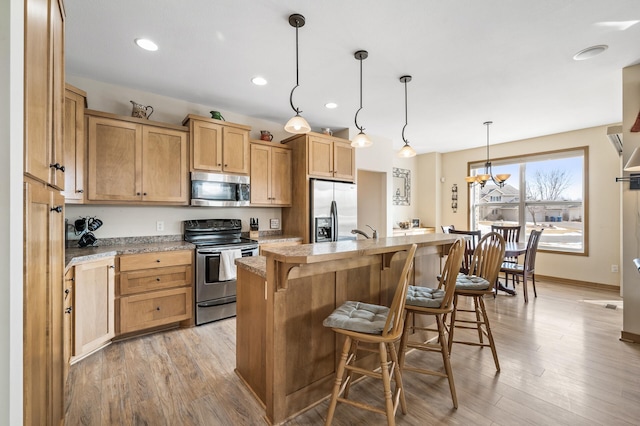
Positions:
(561, 357)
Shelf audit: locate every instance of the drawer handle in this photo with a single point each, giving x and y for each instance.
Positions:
(68, 310)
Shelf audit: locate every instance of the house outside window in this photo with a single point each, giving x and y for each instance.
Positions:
(545, 191)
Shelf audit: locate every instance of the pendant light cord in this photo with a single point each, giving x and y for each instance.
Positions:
(406, 121)
(356, 118)
(297, 110)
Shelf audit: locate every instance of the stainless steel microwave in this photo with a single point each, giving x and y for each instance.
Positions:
(219, 190)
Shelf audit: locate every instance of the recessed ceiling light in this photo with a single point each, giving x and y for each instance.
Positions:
(590, 52)
(331, 105)
(146, 44)
(259, 81)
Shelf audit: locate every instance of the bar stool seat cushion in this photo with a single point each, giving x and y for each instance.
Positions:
(359, 317)
(424, 296)
(471, 282)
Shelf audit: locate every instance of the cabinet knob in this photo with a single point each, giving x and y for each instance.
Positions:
(226, 165)
(158, 308)
(57, 166)
(112, 266)
(57, 209)
(137, 193)
(219, 164)
(68, 310)
(80, 191)
(158, 260)
(144, 193)
(158, 279)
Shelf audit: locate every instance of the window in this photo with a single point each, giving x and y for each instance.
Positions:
(545, 191)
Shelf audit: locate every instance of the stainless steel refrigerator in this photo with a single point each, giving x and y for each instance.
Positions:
(334, 210)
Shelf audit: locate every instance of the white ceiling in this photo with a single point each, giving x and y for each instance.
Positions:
(509, 61)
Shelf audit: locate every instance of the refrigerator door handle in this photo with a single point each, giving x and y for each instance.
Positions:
(334, 221)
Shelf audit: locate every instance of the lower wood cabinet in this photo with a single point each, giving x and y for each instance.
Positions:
(92, 308)
(155, 289)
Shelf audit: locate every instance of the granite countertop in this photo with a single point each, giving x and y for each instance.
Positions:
(266, 239)
(321, 252)
(254, 264)
(123, 246)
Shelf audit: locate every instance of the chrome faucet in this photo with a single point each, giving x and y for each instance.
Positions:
(364, 234)
(375, 233)
(357, 231)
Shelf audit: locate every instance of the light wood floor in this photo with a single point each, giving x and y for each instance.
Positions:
(562, 364)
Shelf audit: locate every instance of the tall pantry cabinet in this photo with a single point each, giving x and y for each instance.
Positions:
(43, 257)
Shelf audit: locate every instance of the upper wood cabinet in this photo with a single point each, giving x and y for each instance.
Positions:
(44, 91)
(133, 160)
(218, 146)
(75, 101)
(327, 157)
(270, 174)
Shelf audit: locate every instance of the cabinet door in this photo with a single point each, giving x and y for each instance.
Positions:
(74, 142)
(36, 288)
(57, 178)
(114, 160)
(37, 114)
(206, 146)
(235, 154)
(164, 165)
(94, 293)
(320, 157)
(260, 174)
(280, 176)
(343, 161)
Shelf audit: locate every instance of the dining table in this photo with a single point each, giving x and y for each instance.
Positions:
(513, 249)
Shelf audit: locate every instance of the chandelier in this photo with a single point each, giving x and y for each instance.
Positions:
(482, 179)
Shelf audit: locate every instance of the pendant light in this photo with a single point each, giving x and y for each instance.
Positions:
(297, 124)
(482, 179)
(406, 151)
(361, 140)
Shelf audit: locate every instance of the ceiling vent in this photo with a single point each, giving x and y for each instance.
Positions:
(614, 133)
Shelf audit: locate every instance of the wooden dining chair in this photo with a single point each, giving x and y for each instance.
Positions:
(435, 302)
(510, 234)
(483, 272)
(471, 241)
(374, 324)
(447, 228)
(528, 268)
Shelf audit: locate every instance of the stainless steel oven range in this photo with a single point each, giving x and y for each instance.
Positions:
(215, 298)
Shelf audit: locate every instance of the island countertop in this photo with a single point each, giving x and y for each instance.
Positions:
(322, 252)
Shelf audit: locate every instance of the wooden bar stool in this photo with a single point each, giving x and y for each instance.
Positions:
(485, 266)
(437, 302)
(366, 323)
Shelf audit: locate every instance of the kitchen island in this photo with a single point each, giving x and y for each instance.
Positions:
(283, 352)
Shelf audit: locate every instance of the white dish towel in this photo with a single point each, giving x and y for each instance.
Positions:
(228, 264)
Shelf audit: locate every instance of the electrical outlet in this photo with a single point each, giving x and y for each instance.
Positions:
(159, 225)
(274, 223)
(614, 268)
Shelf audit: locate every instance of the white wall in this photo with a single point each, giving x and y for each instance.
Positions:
(11, 160)
(430, 188)
(604, 204)
(631, 204)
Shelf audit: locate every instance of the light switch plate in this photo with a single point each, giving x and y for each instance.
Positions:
(274, 223)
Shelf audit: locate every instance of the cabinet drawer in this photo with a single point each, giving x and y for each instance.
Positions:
(139, 281)
(162, 259)
(154, 309)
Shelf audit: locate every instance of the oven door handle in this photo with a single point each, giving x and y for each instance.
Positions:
(217, 302)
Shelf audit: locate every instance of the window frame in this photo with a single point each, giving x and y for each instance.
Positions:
(532, 157)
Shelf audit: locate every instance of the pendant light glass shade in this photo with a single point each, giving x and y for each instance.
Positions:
(361, 140)
(406, 151)
(297, 124)
(482, 179)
